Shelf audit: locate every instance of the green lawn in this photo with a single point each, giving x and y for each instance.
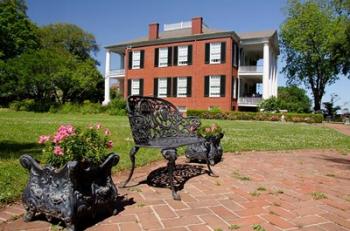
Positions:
(19, 133)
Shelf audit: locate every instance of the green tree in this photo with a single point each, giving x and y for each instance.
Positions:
(71, 38)
(330, 108)
(294, 99)
(17, 32)
(307, 39)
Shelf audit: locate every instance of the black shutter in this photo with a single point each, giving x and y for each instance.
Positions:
(175, 87)
(130, 60)
(206, 86)
(222, 86)
(156, 57)
(175, 56)
(141, 87)
(142, 58)
(207, 50)
(155, 87)
(189, 86)
(129, 87)
(170, 49)
(189, 55)
(168, 86)
(223, 52)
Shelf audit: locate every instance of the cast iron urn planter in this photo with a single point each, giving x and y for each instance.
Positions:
(197, 152)
(72, 193)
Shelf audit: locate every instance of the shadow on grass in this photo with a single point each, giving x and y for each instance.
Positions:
(11, 150)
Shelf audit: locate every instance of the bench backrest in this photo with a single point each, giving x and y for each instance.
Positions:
(152, 118)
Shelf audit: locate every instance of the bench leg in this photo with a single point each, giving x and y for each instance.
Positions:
(132, 154)
(211, 173)
(171, 156)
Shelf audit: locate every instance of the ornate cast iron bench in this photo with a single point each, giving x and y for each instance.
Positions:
(157, 123)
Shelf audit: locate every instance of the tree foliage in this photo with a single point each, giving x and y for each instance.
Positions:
(69, 37)
(294, 99)
(308, 37)
(51, 64)
(17, 32)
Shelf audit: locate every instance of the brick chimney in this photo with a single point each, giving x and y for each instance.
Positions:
(197, 23)
(153, 31)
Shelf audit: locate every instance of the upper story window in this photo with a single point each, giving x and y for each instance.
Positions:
(162, 87)
(215, 53)
(136, 59)
(214, 86)
(182, 58)
(135, 86)
(163, 57)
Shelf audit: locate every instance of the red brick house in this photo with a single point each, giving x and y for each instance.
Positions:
(196, 67)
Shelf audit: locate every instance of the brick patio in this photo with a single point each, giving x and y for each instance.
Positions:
(284, 190)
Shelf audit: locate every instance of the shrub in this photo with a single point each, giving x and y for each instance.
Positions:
(90, 108)
(262, 116)
(69, 108)
(117, 106)
(29, 105)
(272, 104)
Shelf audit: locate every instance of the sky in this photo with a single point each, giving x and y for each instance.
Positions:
(114, 21)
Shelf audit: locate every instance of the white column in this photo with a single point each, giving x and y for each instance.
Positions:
(272, 74)
(266, 71)
(239, 89)
(276, 79)
(107, 81)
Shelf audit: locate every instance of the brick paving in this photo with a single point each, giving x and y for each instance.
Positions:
(285, 190)
(342, 128)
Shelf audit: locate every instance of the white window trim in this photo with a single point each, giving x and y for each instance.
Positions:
(162, 57)
(182, 60)
(215, 50)
(214, 93)
(136, 63)
(162, 84)
(135, 87)
(178, 87)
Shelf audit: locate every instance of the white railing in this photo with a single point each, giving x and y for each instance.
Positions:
(250, 69)
(116, 73)
(251, 101)
(176, 26)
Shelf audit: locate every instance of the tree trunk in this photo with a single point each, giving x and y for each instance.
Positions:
(317, 101)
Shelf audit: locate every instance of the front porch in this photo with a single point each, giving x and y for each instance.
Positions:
(250, 90)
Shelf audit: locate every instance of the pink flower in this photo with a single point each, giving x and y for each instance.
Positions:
(107, 132)
(208, 130)
(213, 127)
(63, 132)
(98, 126)
(58, 151)
(109, 144)
(43, 139)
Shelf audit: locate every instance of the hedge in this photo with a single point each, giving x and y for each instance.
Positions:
(262, 116)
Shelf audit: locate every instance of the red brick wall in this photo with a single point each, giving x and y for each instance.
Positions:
(197, 70)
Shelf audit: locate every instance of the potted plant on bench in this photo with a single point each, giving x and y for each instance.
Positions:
(76, 181)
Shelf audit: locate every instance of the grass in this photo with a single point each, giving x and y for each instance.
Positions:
(318, 195)
(19, 133)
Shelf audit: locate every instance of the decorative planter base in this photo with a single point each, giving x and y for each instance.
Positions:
(71, 193)
(197, 152)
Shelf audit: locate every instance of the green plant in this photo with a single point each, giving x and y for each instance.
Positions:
(261, 188)
(318, 195)
(237, 175)
(233, 227)
(207, 131)
(272, 104)
(257, 227)
(255, 194)
(70, 143)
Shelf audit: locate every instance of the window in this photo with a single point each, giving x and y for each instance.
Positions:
(136, 59)
(163, 57)
(182, 58)
(214, 85)
(135, 87)
(181, 87)
(215, 53)
(162, 87)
